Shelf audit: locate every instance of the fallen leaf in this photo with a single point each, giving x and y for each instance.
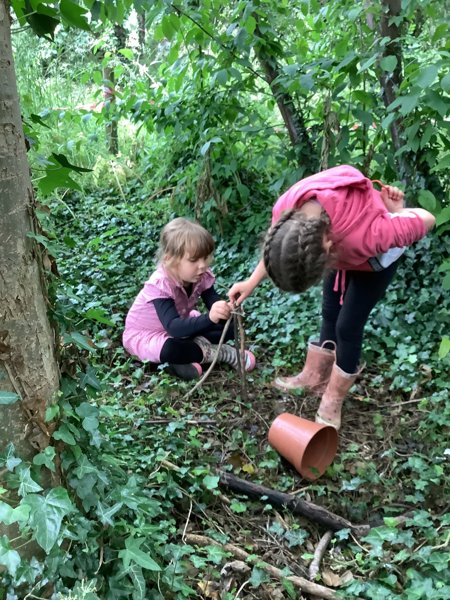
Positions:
(331, 579)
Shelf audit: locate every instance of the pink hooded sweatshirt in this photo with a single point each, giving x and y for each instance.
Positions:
(361, 226)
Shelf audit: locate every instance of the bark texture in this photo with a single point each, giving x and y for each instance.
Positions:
(292, 117)
(28, 365)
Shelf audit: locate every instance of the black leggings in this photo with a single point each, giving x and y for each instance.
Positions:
(182, 351)
(344, 324)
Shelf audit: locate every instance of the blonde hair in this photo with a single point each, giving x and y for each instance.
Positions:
(294, 255)
(182, 236)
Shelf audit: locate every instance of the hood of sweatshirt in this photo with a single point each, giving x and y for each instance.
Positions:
(344, 193)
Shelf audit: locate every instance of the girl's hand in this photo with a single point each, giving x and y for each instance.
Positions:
(239, 292)
(392, 198)
(220, 310)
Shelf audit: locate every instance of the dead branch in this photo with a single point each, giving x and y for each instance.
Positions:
(318, 554)
(211, 366)
(298, 506)
(307, 586)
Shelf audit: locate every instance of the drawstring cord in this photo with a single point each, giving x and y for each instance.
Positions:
(342, 278)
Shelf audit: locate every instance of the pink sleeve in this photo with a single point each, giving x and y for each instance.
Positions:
(391, 230)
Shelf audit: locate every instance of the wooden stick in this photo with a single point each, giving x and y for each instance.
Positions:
(296, 505)
(239, 343)
(188, 421)
(211, 366)
(318, 554)
(307, 586)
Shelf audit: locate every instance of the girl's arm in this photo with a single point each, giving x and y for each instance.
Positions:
(241, 290)
(393, 200)
(176, 326)
(428, 219)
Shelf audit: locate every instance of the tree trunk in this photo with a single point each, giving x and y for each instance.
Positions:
(28, 364)
(411, 165)
(293, 120)
(141, 32)
(390, 82)
(112, 134)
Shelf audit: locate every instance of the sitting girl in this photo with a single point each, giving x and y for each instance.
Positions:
(162, 325)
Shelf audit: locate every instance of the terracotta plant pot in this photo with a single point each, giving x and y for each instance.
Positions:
(310, 447)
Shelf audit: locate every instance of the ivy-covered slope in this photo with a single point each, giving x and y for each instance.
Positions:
(140, 461)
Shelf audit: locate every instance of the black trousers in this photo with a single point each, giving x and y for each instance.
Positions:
(182, 351)
(344, 323)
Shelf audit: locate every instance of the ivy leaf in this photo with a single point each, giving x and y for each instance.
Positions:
(8, 398)
(64, 435)
(211, 482)
(238, 507)
(127, 53)
(51, 247)
(446, 282)
(444, 347)
(258, 577)
(443, 217)
(444, 163)
(388, 63)
(46, 515)
(137, 577)
(27, 484)
(204, 149)
(445, 83)
(221, 77)
(250, 24)
(55, 178)
(63, 161)
(79, 340)
(215, 554)
(42, 25)
(9, 557)
(46, 458)
(405, 103)
(133, 553)
(84, 467)
(368, 63)
(86, 410)
(90, 424)
(99, 315)
(427, 200)
(37, 119)
(73, 14)
(106, 513)
(5, 513)
(427, 76)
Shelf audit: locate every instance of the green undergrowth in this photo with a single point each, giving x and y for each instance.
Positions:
(138, 462)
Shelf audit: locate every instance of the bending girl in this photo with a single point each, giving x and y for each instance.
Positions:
(335, 225)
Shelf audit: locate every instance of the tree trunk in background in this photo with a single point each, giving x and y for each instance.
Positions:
(28, 364)
(112, 134)
(141, 32)
(390, 82)
(411, 168)
(293, 120)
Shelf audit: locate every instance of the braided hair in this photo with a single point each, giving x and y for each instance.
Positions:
(294, 256)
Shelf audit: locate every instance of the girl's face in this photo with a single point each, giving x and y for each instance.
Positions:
(189, 270)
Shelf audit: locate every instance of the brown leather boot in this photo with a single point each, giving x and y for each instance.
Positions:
(329, 411)
(315, 373)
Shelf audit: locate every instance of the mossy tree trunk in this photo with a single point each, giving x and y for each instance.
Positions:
(28, 365)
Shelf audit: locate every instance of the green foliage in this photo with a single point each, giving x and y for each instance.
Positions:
(201, 135)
